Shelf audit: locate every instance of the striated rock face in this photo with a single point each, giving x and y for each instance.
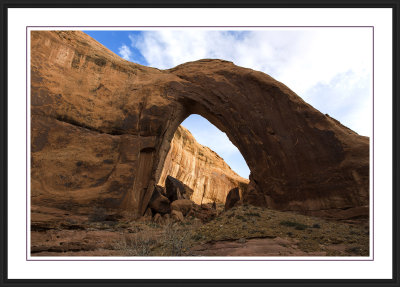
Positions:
(199, 168)
(101, 129)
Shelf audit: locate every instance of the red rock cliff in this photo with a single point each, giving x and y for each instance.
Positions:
(200, 168)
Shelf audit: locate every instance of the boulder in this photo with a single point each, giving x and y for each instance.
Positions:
(203, 213)
(158, 202)
(182, 205)
(174, 188)
(232, 198)
(176, 215)
(161, 189)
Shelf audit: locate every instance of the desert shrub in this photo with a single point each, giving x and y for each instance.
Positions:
(300, 227)
(288, 223)
(296, 225)
(241, 218)
(308, 245)
(175, 240)
(253, 214)
(197, 237)
(153, 225)
(139, 244)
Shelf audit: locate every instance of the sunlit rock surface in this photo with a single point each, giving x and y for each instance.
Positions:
(200, 168)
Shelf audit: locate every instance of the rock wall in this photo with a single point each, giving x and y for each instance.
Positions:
(200, 168)
(101, 129)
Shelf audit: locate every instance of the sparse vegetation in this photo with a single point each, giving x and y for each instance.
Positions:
(316, 225)
(139, 244)
(296, 225)
(242, 218)
(241, 222)
(356, 250)
(252, 214)
(175, 240)
(128, 237)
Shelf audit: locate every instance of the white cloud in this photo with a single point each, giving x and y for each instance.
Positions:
(347, 97)
(308, 61)
(125, 52)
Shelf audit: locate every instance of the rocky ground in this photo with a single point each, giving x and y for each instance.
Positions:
(241, 231)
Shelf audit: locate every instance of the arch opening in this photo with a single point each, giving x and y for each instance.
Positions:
(204, 159)
(210, 136)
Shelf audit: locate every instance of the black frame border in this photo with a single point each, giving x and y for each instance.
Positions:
(6, 4)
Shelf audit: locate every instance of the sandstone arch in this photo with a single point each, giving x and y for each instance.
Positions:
(299, 158)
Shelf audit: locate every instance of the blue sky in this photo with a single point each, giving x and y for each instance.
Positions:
(330, 68)
(209, 135)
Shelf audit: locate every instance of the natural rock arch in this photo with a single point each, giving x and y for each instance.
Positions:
(285, 142)
(299, 158)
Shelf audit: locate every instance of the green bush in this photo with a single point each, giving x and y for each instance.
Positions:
(241, 218)
(253, 214)
(296, 225)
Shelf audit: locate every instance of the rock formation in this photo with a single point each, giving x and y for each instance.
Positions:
(101, 128)
(200, 169)
(182, 205)
(232, 198)
(174, 189)
(159, 203)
